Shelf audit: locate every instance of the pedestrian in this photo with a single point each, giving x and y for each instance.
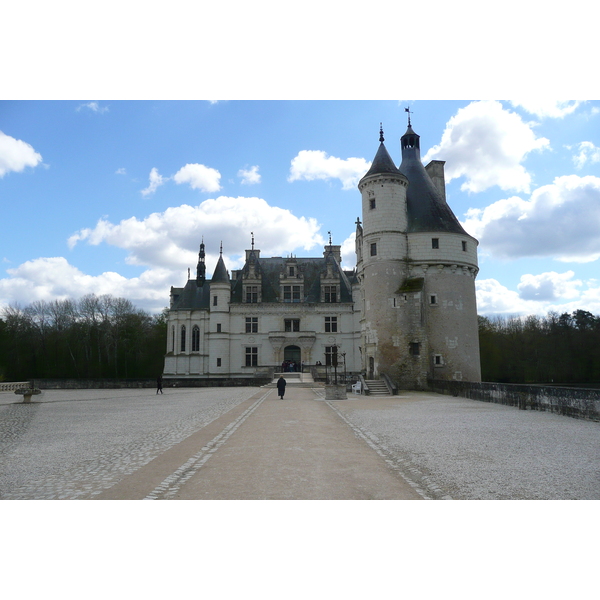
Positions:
(159, 384)
(281, 382)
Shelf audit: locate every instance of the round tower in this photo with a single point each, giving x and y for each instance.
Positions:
(381, 261)
(442, 261)
(220, 297)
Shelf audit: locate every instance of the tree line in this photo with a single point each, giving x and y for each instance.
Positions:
(95, 337)
(555, 349)
(100, 337)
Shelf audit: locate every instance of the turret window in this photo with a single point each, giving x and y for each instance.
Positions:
(414, 349)
(373, 249)
(435, 243)
(464, 246)
(371, 203)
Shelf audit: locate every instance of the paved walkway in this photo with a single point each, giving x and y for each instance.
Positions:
(267, 448)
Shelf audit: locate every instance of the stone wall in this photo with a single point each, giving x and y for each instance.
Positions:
(92, 384)
(573, 402)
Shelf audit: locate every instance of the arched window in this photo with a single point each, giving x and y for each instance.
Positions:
(173, 338)
(196, 339)
(183, 338)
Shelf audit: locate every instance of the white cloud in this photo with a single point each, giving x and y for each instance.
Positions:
(587, 153)
(486, 144)
(495, 298)
(55, 279)
(94, 107)
(316, 164)
(170, 239)
(15, 155)
(249, 176)
(549, 286)
(200, 177)
(560, 220)
(121, 171)
(556, 109)
(156, 180)
(349, 252)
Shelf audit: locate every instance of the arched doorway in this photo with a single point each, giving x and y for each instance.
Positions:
(292, 355)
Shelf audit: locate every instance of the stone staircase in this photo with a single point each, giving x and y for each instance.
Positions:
(377, 387)
(296, 380)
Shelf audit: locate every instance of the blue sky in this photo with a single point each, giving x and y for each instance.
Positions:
(125, 141)
(114, 196)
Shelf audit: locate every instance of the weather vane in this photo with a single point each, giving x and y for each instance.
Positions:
(252, 234)
(407, 109)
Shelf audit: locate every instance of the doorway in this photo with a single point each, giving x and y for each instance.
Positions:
(292, 358)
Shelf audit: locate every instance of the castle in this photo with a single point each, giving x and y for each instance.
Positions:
(408, 309)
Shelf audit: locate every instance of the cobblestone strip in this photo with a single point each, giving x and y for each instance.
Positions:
(172, 484)
(423, 485)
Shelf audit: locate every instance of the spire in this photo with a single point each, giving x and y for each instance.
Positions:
(220, 274)
(382, 163)
(201, 267)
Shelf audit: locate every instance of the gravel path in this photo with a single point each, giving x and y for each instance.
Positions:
(467, 449)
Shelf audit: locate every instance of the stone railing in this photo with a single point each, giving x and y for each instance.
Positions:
(11, 386)
(580, 403)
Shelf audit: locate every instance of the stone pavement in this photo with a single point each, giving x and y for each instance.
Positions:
(268, 448)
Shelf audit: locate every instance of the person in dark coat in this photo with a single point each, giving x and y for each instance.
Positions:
(281, 383)
(159, 384)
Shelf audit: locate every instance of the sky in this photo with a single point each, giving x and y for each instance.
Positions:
(115, 196)
(126, 142)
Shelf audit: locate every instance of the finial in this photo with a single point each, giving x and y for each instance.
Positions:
(188, 273)
(221, 249)
(252, 234)
(381, 138)
(407, 109)
(329, 232)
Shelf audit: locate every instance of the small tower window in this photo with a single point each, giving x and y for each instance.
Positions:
(414, 348)
(435, 243)
(464, 246)
(373, 249)
(371, 203)
(215, 298)
(218, 327)
(433, 299)
(438, 360)
(218, 362)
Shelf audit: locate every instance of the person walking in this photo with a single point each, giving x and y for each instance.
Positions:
(281, 383)
(159, 384)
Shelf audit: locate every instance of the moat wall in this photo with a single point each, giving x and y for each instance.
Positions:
(573, 402)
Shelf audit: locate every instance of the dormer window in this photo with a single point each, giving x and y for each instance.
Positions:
(330, 294)
(292, 293)
(292, 272)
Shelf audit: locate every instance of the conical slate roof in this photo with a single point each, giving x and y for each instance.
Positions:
(426, 209)
(220, 274)
(382, 163)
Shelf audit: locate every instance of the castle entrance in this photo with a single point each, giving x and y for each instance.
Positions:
(292, 354)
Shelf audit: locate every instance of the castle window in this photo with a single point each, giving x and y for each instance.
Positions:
(182, 338)
(330, 293)
(373, 249)
(435, 243)
(215, 300)
(251, 356)
(292, 272)
(291, 324)
(433, 299)
(331, 356)
(251, 294)
(196, 339)
(414, 349)
(218, 362)
(331, 325)
(464, 246)
(438, 360)
(251, 324)
(371, 203)
(291, 293)
(173, 339)
(218, 327)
